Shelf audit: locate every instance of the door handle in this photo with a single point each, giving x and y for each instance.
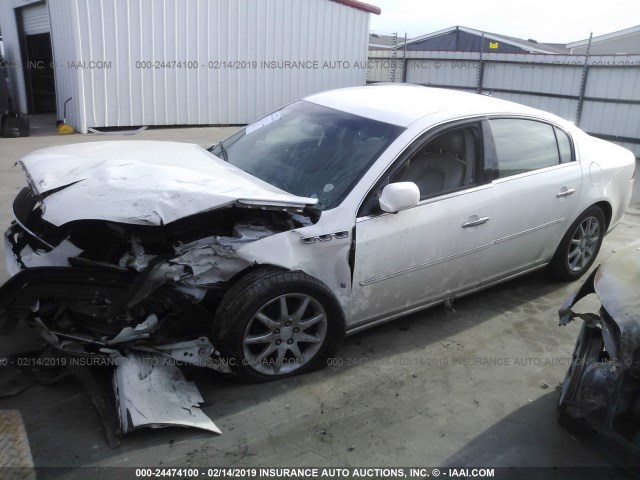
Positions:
(477, 221)
(566, 192)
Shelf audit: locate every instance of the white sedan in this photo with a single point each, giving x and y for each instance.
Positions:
(340, 211)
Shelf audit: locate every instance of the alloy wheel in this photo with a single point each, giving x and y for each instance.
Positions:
(584, 244)
(284, 334)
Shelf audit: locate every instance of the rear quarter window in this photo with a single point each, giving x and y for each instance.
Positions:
(564, 146)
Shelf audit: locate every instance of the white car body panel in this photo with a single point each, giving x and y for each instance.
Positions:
(326, 261)
(408, 258)
(605, 169)
(530, 219)
(142, 182)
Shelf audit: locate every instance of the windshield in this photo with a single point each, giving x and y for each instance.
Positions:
(309, 150)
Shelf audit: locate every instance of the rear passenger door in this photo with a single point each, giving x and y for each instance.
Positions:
(537, 185)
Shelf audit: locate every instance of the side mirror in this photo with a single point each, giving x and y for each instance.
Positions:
(399, 196)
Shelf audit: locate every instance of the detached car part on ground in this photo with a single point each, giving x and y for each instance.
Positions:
(601, 390)
(340, 211)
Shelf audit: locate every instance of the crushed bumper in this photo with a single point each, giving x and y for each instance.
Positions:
(151, 392)
(147, 382)
(601, 390)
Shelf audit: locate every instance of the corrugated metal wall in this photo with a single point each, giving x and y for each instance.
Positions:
(181, 62)
(609, 102)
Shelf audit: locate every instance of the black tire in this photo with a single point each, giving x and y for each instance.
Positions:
(256, 298)
(566, 265)
(588, 350)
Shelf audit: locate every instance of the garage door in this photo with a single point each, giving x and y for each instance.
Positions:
(35, 20)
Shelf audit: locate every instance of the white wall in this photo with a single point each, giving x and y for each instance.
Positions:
(121, 33)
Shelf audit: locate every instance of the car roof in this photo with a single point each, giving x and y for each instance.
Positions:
(403, 104)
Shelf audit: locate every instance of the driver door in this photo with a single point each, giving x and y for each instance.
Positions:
(412, 258)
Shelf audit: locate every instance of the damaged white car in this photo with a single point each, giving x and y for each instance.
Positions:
(340, 211)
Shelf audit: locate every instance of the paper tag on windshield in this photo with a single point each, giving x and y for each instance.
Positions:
(262, 123)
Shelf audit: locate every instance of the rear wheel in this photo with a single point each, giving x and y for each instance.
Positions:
(273, 324)
(580, 245)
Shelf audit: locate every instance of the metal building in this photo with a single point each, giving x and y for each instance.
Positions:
(464, 39)
(625, 41)
(179, 62)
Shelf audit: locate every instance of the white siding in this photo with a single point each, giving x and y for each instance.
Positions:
(119, 34)
(532, 77)
(65, 40)
(35, 20)
(563, 107)
(458, 73)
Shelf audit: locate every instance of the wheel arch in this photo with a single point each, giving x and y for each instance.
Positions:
(255, 268)
(606, 208)
(246, 271)
(558, 265)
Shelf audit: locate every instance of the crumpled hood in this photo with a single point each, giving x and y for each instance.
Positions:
(617, 282)
(142, 182)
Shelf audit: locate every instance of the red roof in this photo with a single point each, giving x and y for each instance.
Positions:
(361, 6)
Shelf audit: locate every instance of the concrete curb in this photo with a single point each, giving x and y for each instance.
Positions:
(16, 462)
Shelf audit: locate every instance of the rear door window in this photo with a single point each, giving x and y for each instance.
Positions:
(526, 145)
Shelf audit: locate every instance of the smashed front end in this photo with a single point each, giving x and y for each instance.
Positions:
(94, 285)
(142, 294)
(601, 390)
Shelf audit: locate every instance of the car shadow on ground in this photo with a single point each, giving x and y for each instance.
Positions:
(536, 422)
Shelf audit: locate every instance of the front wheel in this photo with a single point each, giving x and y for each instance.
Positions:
(580, 245)
(273, 324)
